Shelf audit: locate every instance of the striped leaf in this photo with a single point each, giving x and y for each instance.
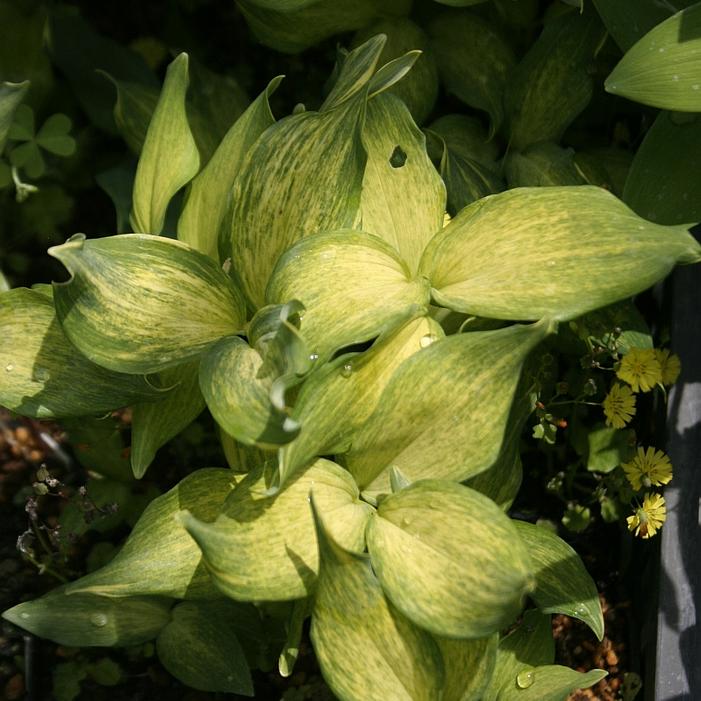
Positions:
(562, 583)
(11, 95)
(153, 424)
(208, 198)
(159, 557)
(335, 401)
(554, 244)
(302, 176)
(87, 620)
(291, 28)
(365, 647)
(200, 648)
(263, 547)
(44, 376)
(530, 644)
(662, 185)
(468, 665)
(246, 387)
(169, 157)
(140, 304)
(403, 199)
(415, 429)
(663, 69)
(449, 559)
(240, 458)
(133, 111)
(474, 61)
(419, 89)
(468, 161)
(550, 683)
(553, 82)
(353, 285)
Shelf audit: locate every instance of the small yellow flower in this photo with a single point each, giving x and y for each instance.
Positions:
(648, 467)
(619, 405)
(648, 518)
(640, 368)
(670, 364)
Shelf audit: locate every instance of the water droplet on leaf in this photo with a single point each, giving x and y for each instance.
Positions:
(98, 619)
(525, 678)
(427, 340)
(347, 370)
(406, 521)
(313, 357)
(9, 367)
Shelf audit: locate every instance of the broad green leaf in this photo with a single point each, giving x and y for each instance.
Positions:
(208, 199)
(662, 184)
(606, 167)
(153, 424)
(302, 176)
(550, 683)
(663, 69)
(245, 387)
(469, 665)
(133, 111)
(87, 620)
(294, 27)
(11, 95)
(474, 61)
(44, 376)
(138, 303)
(159, 557)
(542, 165)
(563, 585)
(553, 84)
(529, 645)
(629, 20)
(468, 161)
(555, 243)
(449, 559)
(419, 89)
(169, 157)
(414, 428)
(365, 647)
(353, 285)
(335, 401)
(199, 647)
(403, 199)
(263, 546)
(608, 448)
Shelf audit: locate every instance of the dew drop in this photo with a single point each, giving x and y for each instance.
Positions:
(24, 615)
(313, 357)
(579, 610)
(98, 619)
(406, 521)
(427, 340)
(525, 679)
(9, 367)
(346, 370)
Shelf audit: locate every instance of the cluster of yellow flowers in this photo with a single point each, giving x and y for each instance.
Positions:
(642, 369)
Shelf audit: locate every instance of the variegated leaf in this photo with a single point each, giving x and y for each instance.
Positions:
(474, 60)
(133, 111)
(263, 546)
(200, 648)
(562, 583)
(662, 185)
(559, 252)
(169, 157)
(208, 198)
(352, 271)
(240, 458)
(403, 199)
(153, 424)
(44, 376)
(469, 665)
(663, 69)
(553, 83)
(365, 647)
(419, 89)
(159, 557)
(88, 620)
(335, 401)
(139, 304)
(302, 176)
(449, 559)
(291, 28)
(415, 429)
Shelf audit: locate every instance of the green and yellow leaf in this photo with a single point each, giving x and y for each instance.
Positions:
(140, 304)
(449, 559)
(468, 665)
